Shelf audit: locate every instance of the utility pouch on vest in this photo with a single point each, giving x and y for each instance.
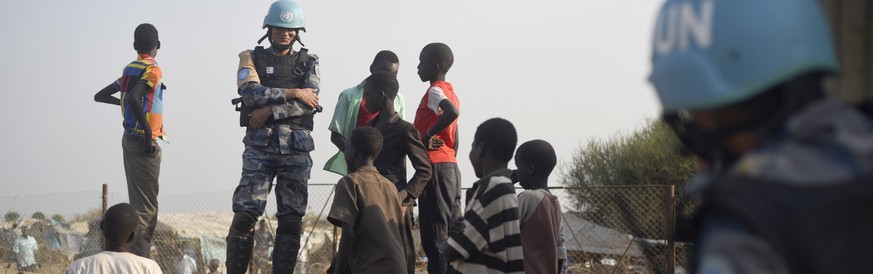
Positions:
(268, 77)
(280, 72)
(301, 140)
(298, 68)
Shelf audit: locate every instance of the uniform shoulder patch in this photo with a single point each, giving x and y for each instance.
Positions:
(243, 74)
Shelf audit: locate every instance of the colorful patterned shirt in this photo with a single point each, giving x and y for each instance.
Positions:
(143, 69)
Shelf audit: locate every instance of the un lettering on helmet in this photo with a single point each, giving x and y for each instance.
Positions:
(707, 55)
(680, 24)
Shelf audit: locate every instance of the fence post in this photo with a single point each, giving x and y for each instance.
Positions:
(105, 199)
(669, 229)
(335, 243)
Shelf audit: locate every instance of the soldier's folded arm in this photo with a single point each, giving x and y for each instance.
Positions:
(295, 107)
(249, 85)
(254, 94)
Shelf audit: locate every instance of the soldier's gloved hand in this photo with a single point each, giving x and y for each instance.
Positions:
(259, 117)
(304, 95)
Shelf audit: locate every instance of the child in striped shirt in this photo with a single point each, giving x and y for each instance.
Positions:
(488, 238)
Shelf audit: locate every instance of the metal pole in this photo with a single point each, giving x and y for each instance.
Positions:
(252, 262)
(623, 255)
(335, 243)
(578, 243)
(669, 228)
(105, 199)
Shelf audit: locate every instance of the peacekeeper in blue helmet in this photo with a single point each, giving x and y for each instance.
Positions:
(786, 174)
(278, 88)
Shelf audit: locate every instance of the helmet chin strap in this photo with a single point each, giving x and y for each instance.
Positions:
(281, 47)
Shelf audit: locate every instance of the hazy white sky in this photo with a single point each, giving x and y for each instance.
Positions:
(563, 71)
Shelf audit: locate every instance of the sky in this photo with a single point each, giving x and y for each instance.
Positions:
(564, 71)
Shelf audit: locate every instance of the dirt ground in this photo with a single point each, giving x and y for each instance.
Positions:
(44, 269)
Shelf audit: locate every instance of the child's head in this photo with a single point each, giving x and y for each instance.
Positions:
(380, 89)
(493, 143)
(119, 224)
(213, 264)
(436, 59)
(364, 145)
(385, 60)
(145, 39)
(535, 160)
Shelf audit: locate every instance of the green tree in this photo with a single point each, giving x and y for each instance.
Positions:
(601, 170)
(11, 216)
(38, 215)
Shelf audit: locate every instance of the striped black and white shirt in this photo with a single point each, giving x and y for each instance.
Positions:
(491, 240)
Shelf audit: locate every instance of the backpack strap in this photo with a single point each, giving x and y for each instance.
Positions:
(302, 59)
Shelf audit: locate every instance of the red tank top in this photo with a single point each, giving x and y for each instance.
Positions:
(426, 117)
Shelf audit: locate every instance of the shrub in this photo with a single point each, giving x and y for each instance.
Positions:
(650, 155)
(12, 216)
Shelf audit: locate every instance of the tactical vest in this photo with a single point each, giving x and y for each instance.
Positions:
(826, 229)
(286, 71)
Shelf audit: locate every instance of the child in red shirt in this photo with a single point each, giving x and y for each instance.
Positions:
(436, 121)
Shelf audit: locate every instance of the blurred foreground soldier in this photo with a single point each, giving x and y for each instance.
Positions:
(25, 248)
(279, 96)
(786, 170)
(119, 228)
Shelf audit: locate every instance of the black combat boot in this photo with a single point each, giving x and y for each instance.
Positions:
(285, 253)
(239, 252)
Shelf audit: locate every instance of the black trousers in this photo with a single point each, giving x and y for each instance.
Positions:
(441, 203)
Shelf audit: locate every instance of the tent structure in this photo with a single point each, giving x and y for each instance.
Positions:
(210, 228)
(593, 238)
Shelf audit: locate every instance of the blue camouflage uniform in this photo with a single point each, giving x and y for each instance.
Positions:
(278, 150)
(829, 145)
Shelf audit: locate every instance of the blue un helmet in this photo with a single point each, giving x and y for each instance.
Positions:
(285, 14)
(708, 54)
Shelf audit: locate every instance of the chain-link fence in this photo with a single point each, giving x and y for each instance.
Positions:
(617, 230)
(66, 227)
(625, 229)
